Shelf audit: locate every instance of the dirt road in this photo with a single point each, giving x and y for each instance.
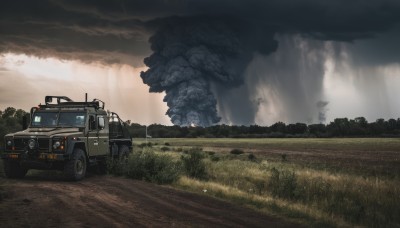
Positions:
(105, 201)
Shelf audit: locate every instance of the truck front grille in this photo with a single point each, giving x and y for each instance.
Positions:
(22, 143)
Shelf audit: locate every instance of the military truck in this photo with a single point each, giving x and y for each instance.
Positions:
(68, 136)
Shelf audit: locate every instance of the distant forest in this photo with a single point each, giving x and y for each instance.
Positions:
(340, 127)
(11, 121)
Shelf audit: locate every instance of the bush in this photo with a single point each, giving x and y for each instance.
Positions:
(210, 153)
(237, 151)
(167, 144)
(165, 148)
(252, 157)
(116, 166)
(283, 183)
(149, 166)
(143, 145)
(193, 164)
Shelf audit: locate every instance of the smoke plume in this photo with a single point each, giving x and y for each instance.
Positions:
(189, 55)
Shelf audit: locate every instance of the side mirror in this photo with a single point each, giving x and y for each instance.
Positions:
(101, 122)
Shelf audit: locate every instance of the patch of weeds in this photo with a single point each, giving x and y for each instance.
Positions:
(215, 158)
(142, 145)
(164, 148)
(284, 157)
(252, 157)
(116, 166)
(283, 183)
(157, 168)
(210, 153)
(193, 164)
(237, 151)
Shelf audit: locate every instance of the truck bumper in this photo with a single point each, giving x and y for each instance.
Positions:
(41, 157)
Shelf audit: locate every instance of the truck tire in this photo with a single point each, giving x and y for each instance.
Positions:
(12, 169)
(75, 169)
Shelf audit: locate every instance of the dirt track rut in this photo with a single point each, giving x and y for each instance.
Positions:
(105, 201)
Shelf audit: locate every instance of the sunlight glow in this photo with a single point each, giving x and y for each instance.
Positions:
(119, 86)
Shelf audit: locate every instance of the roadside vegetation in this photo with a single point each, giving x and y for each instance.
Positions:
(334, 196)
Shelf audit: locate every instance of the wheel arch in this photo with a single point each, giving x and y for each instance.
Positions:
(77, 145)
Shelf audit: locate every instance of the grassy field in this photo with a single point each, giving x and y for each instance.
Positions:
(362, 156)
(317, 182)
(314, 182)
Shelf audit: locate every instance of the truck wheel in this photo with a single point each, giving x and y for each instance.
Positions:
(12, 169)
(123, 154)
(75, 169)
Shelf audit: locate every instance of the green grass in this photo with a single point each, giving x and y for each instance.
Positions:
(295, 144)
(316, 182)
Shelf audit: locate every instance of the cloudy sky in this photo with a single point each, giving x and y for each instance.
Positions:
(206, 62)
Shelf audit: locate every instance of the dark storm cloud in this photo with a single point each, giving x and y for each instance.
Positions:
(121, 28)
(195, 46)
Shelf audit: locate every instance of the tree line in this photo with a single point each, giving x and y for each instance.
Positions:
(340, 127)
(11, 121)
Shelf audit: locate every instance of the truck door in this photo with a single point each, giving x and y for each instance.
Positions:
(103, 147)
(93, 136)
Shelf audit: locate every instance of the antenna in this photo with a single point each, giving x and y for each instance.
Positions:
(86, 97)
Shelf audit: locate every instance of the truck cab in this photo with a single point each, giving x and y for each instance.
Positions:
(66, 135)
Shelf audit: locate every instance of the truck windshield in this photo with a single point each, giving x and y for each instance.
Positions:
(58, 119)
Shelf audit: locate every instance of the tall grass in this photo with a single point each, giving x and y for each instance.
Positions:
(297, 190)
(353, 199)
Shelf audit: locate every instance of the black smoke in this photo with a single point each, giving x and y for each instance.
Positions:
(191, 54)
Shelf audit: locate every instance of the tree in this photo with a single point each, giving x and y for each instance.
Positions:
(8, 112)
(278, 127)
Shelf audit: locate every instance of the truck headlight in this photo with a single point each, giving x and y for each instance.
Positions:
(9, 143)
(32, 144)
(59, 143)
(56, 144)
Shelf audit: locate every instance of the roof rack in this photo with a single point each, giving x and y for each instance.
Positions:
(49, 99)
(69, 103)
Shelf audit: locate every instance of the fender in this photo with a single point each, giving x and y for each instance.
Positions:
(75, 144)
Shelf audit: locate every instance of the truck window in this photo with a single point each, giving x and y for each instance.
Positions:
(45, 119)
(71, 119)
(92, 123)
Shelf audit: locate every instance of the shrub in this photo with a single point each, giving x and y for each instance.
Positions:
(165, 148)
(149, 166)
(283, 183)
(283, 156)
(251, 157)
(116, 166)
(142, 145)
(210, 152)
(215, 158)
(167, 144)
(193, 164)
(237, 151)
